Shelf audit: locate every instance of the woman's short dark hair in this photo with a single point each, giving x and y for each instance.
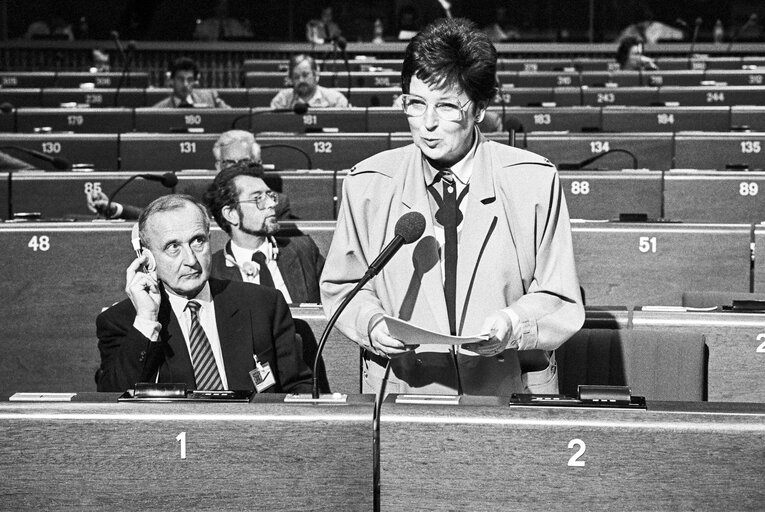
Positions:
(623, 52)
(452, 51)
(223, 191)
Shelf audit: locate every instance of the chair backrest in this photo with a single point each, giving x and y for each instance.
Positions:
(305, 334)
(655, 364)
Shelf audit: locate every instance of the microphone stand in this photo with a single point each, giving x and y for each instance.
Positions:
(130, 179)
(125, 70)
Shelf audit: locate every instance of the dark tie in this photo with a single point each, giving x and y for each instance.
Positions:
(205, 370)
(265, 274)
(449, 216)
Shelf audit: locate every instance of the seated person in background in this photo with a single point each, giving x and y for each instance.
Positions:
(243, 206)
(184, 76)
(323, 30)
(180, 325)
(233, 146)
(304, 73)
(630, 56)
(222, 26)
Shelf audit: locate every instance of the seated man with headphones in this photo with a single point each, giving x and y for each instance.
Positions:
(245, 207)
(179, 325)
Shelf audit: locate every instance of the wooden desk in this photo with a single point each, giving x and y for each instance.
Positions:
(265, 455)
(482, 455)
(653, 263)
(98, 150)
(81, 120)
(705, 150)
(606, 194)
(662, 119)
(736, 359)
(712, 196)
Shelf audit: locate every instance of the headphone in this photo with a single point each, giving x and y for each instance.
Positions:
(140, 250)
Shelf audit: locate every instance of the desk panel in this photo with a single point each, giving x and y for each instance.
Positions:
(80, 120)
(606, 78)
(529, 458)
(534, 64)
(167, 120)
(747, 118)
(542, 79)
(331, 151)
(736, 76)
(109, 455)
(137, 79)
(736, 363)
(234, 97)
(574, 119)
(98, 150)
(720, 150)
(524, 96)
(102, 98)
(713, 95)
(653, 263)
(22, 80)
(8, 121)
(676, 77)
(604, 96)
(606, 194)
(696, 196)
(166, 151)
(386, 120)
(759, 263)
(351, 120)
(21, 97)
(653, 150)
(4, 194)
(271, 79)
(662, 119)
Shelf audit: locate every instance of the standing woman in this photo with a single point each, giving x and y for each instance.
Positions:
(496, 256)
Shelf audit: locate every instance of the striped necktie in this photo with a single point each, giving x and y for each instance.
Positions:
(205, 370)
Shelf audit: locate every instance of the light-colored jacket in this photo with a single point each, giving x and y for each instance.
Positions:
(515, 252)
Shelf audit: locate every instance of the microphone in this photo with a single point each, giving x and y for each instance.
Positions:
(696, 26)
(299, 109)
(126, 61)
(59, 58)
(580, 165)
(290, 146)
(168, 179)
(749, 23)
(409, 228)
(116, 38)
(341, 43)
(57, 162)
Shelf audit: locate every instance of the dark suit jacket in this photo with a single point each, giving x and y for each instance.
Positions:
(299, 261)
(251, 320)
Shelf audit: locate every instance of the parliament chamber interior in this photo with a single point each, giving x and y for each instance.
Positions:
(660, 166)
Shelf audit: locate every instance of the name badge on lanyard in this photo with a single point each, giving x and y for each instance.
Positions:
(261, 375)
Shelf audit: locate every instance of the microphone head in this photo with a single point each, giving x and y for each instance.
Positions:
(169, 179)
(410, 227)
(6, 108)
(114, 34)
(300, 108)
(698, 21)
(131, 46)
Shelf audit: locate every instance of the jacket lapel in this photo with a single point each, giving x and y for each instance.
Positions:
(291, 269)
(414, 197)
(232, 328)
(480, 219)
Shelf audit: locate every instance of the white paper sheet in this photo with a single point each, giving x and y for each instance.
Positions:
(413, 335)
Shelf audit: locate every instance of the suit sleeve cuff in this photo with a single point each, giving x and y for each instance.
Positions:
(524, 330)
(148, 328)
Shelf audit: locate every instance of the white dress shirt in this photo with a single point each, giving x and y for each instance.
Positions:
(250, 274)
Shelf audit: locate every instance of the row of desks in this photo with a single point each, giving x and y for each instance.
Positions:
(696, 62)
(562, 78)
(687, 196)
(478, 455)
(60, 275)
(379, 119)
(384, 95)
(133, 151)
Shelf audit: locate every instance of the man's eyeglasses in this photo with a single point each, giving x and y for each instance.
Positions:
(229, 163)
(261, 200)
(447, 110)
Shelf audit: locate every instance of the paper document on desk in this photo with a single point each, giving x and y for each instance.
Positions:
(413, 335)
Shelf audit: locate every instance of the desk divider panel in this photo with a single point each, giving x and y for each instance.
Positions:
(603, 195)
(100, 98)
(80, 120)
(713, 95)
(736, 367)
(574, 119)
(97, 150)
(653, 263)
(662, 119)
(166, 151)
(720, 150)
(653, 150)
(605, 96)
(333, 151)
(758, 279)
(179, 120)
(21, 97)
(712, 196)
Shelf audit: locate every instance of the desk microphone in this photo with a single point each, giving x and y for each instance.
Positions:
(299, 108)
(580, 165)
(294, 148)
(409, 228)
(696, 27)
(168, 179)
(57, 162)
